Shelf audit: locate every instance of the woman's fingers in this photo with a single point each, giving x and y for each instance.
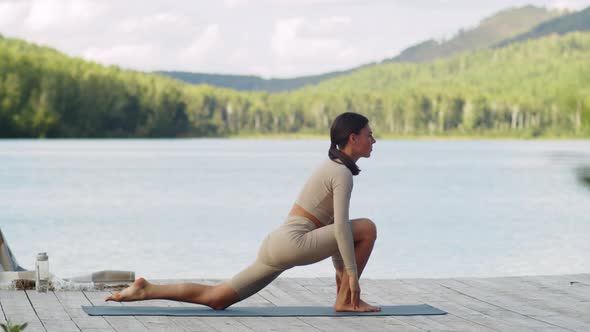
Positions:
(355, 292)
(355, 296)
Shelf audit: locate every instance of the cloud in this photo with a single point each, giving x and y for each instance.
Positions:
(12, 12)
(329, 25)
(316, 2)
(207, 42)
(231, 4)
(123, 54)
(44, 14)
(562, 4)
(133, 24)
(288, 41)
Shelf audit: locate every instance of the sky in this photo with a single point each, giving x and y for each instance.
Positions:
(268, 38)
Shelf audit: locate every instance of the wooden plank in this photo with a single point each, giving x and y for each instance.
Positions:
(282, 290)
(224, 324)
(359, 324)
(72, 301)
(473, 294)
(18, 309)
(430, 292)
(536, 303)
(529, 299)
(585, 277)
(192, 324)
(156, 323)
(276, 323)
(474, 316)
(562, 286)
(51, 312)
(277, 296)
(467, 310)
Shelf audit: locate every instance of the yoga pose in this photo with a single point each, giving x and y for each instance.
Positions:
(316, 228)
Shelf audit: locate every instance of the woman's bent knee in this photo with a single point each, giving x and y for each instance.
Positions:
(367, 228)
(221, 296)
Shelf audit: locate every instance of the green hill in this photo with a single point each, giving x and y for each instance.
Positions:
(578, 21)
(537, 88)
(490, 31)
(44, 93)
(252, 83)
(501, 26)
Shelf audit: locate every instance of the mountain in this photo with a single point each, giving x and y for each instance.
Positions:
(503, 25)
(492, 30)
(252, 83)
(577, 21)
(534, 88)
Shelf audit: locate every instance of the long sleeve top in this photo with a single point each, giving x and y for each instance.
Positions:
(326, 195)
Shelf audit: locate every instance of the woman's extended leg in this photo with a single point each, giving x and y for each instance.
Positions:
(244, 284)
(217, 297)
(364, 234)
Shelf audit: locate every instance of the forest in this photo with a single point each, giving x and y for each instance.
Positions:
(535, 88)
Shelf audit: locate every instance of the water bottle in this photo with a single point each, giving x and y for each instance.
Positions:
(42, 272)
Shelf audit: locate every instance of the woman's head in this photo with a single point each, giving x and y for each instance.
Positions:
(351, 138)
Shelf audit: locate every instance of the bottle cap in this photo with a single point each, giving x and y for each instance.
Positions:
(42, 256)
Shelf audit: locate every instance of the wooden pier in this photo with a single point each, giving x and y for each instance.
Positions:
(529, 303)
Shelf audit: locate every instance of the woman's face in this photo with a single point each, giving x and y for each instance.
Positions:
(362, 144)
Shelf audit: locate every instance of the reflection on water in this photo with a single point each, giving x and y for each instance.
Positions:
(583, 173)
(198, 208)
(580, 164)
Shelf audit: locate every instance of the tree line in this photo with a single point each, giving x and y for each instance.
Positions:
(538, 88)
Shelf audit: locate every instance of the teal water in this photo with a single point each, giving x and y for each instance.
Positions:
(198, 208)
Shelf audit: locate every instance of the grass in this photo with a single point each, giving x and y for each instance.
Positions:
(11, 327)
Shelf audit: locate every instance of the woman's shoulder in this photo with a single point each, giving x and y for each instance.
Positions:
(338, 169)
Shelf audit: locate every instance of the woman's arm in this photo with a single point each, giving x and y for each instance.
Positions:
(339, 267)
(342, 189)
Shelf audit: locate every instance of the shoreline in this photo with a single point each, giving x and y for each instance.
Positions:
(312, 137)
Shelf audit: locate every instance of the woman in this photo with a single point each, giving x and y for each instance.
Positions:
(317, 227)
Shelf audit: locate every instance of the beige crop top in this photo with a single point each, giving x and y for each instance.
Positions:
(326, 195)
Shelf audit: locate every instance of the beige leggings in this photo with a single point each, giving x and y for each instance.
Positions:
(296, 242)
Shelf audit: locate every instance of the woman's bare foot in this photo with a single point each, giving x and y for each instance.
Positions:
(135, 292)
(363, 307)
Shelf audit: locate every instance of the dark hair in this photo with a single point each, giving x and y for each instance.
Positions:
(344, 125)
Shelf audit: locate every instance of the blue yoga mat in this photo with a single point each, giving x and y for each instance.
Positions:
(240, 311)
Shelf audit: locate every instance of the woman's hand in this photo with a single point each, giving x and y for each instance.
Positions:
(355, 290)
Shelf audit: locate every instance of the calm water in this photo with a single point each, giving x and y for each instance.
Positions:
(198, 208)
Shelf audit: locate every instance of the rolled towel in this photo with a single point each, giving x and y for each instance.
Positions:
(105, 277)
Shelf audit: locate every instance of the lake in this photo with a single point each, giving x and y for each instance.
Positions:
(199, 208)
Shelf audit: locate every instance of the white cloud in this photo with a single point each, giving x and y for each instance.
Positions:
(240, 55)
(330, 25)
(314, 2)
(44, 14)
(302, 43)
(231, 4)
(562, 4)
(287, 41)
(204, 44)
(158, 21)
(264, 37)
(12, 12)
(137, 54)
